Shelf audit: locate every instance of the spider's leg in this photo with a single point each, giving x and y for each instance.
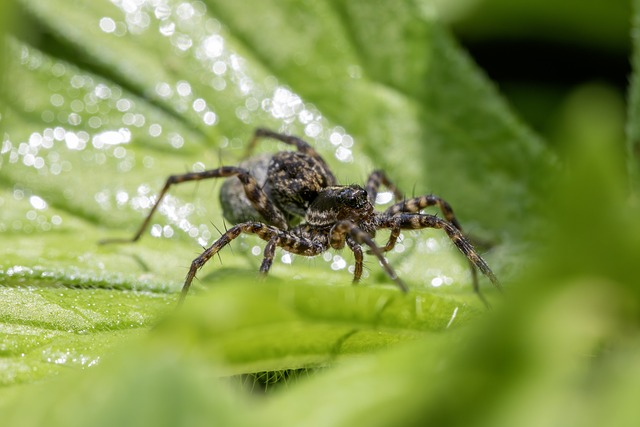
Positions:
(414, 221)
(377, 179)
(265, 232)
(338, 238)
(301, 145)
(254, 193)
(357, 252)
(290, 242)
(391, 243)
(269, 253)
(415, 205)
(272, 235)
(374, 182)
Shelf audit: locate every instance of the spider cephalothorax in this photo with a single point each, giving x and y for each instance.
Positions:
(292, 200)
(340, 203)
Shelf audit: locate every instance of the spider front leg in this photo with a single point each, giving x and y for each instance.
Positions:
(263, 231)
(377, 179)
(415, 221)
(340, 234)
(415, 205)
(252, 189)
(291, 243)
(272, 235)
(268, 255)
(359, 258)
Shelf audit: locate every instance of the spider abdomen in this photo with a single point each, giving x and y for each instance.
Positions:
(295, 179)
(236, 207)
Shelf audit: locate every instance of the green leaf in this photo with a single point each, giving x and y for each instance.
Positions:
(140, 385)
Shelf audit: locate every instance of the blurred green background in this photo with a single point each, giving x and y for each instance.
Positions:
(561, 65)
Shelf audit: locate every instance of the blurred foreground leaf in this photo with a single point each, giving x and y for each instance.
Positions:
(563, 351)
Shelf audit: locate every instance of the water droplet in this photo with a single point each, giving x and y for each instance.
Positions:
(164, 90)
(338, 263)
(123, 105)
(102, 91)
(199, 105)
(37, 202)
(183, 88)
(107, 25)
(155, 130)
(167, 28)
(210, 118)
(185, 11)
(384, 197)
(213, 46)
(219, 68)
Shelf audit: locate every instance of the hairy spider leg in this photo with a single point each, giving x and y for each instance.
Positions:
(268, 255)
(339, 236)
(415, 221)
(359, 257)
(377, 179)
(272, 235)
(254, 193)
(415, 205)
(301, 145)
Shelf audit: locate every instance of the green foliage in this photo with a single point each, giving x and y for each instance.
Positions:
(106, 101)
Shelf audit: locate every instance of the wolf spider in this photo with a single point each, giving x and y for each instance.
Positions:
(289, 186)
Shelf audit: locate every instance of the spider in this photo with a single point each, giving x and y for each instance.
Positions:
(292, 200)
